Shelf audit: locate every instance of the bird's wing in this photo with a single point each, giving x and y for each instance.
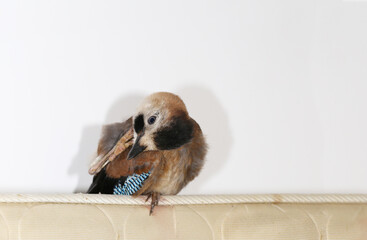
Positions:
(103, 184)
(111, 167)
(116, 138)
(137, 174)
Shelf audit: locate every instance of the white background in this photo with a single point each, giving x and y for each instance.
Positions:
(279, 88)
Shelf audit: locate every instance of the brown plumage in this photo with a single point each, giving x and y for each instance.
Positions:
(161, 138)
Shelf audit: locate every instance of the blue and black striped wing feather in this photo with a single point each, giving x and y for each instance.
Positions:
(131, 184)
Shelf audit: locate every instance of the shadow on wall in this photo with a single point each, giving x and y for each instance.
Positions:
(120, 110)
(202, 105)
(205, 108)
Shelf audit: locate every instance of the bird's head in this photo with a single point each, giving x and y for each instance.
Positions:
(161, 123)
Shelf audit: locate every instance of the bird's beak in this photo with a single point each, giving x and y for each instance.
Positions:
(136, 149)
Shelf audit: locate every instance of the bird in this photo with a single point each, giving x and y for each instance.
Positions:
(157, 151)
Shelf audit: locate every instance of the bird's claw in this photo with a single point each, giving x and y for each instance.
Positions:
(155, 199)
(149, 196)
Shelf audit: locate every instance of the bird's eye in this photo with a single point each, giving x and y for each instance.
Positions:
(152, 119)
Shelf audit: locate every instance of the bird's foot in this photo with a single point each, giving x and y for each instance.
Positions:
(155, 199)
(149, 196)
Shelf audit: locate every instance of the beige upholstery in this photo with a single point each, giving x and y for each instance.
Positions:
(79, 218)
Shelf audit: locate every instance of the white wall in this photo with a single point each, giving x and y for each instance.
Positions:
(279, 88)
